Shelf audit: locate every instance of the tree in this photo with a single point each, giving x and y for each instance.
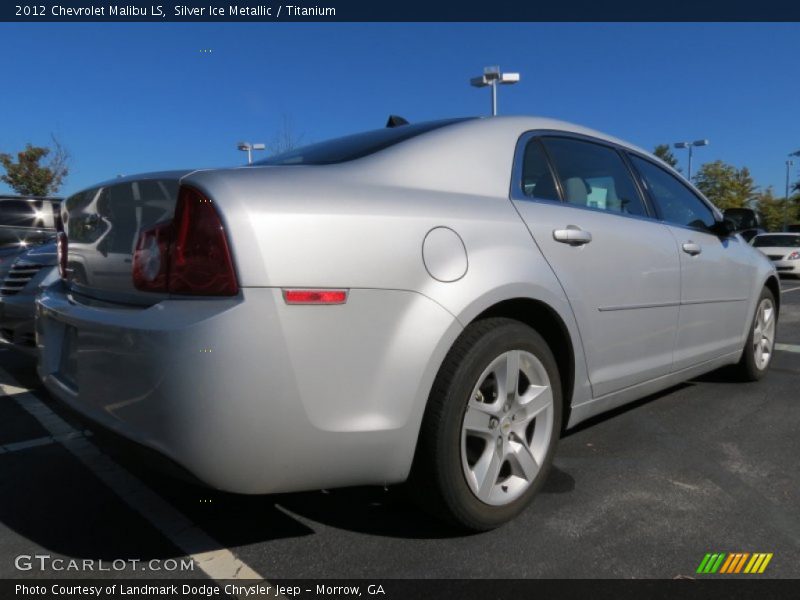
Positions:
(285, 139)
(775, 211)
(725, 185)
(663, 152)
(29, 177)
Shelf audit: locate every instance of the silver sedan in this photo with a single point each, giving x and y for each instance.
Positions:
(429, 303)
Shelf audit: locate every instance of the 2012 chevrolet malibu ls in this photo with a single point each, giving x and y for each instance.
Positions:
(430, 302)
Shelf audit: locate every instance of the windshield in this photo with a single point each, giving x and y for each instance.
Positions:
(354, 146)
(777, 241)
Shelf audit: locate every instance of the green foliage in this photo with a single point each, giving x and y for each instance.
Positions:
(776, 211)
(29, 177)
(725, 185)
(663, 152)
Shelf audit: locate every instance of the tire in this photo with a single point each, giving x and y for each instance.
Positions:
(469, 428)
(751, 366)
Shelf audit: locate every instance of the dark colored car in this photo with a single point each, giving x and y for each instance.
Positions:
(34, 268)
(25, 221)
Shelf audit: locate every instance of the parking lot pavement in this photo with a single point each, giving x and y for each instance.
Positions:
(646, 491)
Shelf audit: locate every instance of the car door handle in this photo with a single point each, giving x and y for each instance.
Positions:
(572, 235)
(692, 248)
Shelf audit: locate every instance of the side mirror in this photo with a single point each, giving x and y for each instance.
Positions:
(724, 228)
(742, 218)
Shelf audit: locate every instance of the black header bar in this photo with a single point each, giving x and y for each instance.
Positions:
(400, 11)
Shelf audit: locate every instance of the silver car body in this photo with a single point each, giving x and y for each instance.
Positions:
(256, 396)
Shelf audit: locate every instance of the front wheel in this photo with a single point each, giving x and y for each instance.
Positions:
(760, 345)
(491, 426)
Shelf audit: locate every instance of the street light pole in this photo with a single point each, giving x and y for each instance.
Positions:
(249, 148)
(690, 146)
(490, 78)
(789, 164)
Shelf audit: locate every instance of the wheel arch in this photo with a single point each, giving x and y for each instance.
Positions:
(775, 287)
(548, 323)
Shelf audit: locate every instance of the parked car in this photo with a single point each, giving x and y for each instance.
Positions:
(783, 249)
(33, 269)
(25, 221)
(429, 303)
(794, 228)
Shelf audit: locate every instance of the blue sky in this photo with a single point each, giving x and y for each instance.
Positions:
(126, 98)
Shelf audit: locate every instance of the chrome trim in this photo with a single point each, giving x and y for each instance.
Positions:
(637, 306)
(667, 304)
(714, 301)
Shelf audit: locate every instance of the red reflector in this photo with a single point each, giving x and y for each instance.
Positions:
(315, 296)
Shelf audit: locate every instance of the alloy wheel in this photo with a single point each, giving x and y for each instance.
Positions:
(507, 427)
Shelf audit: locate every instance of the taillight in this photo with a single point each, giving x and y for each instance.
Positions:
(61, 252)
(188, 255)
(151, 258)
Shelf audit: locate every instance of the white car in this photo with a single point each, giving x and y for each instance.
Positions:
(783, 249)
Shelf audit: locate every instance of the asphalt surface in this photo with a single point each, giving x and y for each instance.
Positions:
(645, 491)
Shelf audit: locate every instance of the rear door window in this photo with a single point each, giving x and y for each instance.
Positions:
(594, 175)
(537, 179)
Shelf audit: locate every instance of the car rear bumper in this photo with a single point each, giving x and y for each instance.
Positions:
(17, 323)
(248, 394)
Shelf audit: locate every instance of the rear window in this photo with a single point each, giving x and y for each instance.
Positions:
(355, 146)
(33, 214)
(777, 241)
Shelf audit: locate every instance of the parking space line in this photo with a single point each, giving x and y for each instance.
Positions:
(788, 347)
(42, 441)
(794, 289)
(219, 564)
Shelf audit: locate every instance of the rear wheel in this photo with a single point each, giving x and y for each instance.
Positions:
(760, 345)
(491, 426)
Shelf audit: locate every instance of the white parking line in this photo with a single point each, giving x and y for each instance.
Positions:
(218, 564)
(42, 441)
(794, 289)
(788, 347)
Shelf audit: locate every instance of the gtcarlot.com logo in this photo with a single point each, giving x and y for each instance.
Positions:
(732, 563)
(44, 562)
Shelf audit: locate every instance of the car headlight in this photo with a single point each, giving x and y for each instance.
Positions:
(793, 256)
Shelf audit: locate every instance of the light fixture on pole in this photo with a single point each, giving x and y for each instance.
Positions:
(490, 78)
(249, 148)
(690, 146)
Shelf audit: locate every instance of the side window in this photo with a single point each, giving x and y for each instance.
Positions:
(677, 203)
(595, 176)
(537, 180)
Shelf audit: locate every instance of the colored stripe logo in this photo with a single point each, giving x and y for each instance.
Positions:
(731, 563)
